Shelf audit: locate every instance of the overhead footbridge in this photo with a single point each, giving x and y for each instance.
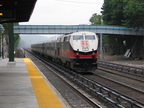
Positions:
(65, 29)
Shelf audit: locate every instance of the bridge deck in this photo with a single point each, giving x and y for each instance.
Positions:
(64, 29)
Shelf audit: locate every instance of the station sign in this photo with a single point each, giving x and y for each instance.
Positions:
(7, 8)
(7, 13)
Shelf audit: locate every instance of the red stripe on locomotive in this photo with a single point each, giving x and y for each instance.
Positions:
(70, 53)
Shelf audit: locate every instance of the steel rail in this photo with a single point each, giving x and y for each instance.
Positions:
(138, 78)
(110, 82)
(87, 97)
(123, 68)
(98, 89)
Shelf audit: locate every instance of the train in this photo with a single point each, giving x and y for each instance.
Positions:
(78, 50)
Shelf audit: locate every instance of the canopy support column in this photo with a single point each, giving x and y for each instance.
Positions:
(11, 42)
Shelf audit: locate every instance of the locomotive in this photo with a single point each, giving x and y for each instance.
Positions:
(77, 50)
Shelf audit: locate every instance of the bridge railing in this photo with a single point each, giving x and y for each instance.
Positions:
(64, 29)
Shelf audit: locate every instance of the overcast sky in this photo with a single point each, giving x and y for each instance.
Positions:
(64, 12)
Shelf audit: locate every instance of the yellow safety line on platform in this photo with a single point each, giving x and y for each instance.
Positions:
(44, 95)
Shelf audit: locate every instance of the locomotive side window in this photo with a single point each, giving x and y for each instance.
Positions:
(89, 37)
(78, 37)
(66, 39)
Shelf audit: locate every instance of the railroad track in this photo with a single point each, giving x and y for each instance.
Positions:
(121, 88)
(123, 68)
(132, 80)
(93, 102)
(117, 98)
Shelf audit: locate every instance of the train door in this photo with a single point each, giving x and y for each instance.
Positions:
(57, 47)
(58, 51)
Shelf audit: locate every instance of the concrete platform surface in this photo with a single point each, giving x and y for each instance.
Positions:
(22, 86)
(15, 86)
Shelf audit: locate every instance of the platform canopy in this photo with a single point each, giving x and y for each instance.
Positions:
(16, 10)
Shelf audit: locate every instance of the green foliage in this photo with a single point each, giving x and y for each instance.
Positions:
(113, 44)
(96, 19)
(134, 14)
(113, 15)
(113, 12)
(124, 12)
(129, 13)
(16, 40)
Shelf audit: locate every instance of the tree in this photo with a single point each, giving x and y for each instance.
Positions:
(124, 12)
(113, 15)
(134, 14)
(96, 19)
(129, 13)
(112, 11)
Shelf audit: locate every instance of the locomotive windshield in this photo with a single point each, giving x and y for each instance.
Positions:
(86, 37)
(89, 37)
(78, 37)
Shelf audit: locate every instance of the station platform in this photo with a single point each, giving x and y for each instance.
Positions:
(23, 86)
